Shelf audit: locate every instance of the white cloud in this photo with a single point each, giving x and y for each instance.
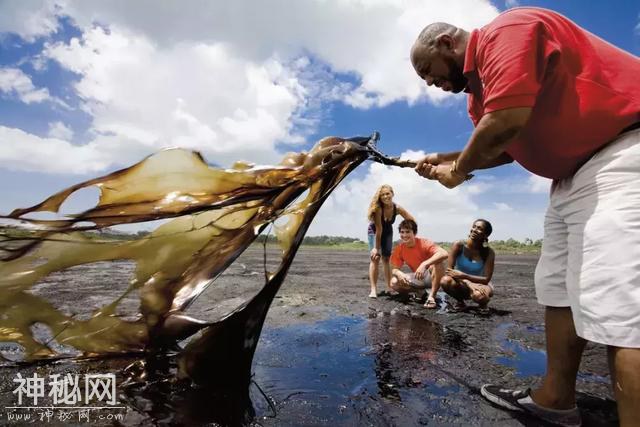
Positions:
(538, 184)
(29, 18)
(59, 130)
(231, 79)
(15, 83)
(511, 3)
(369, 39)
(501, 206)
(22, 151)
(198, 96)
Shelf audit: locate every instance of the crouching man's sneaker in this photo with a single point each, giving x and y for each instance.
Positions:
(520, 400)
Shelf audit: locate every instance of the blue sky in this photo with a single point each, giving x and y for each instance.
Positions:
(90, 87)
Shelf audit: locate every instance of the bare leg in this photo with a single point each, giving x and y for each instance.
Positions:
(456, 289)
(437, 273)
(626, 383)
(564, 351)
(387, 271)
(373, 277)
(395, 285)
(479, 293)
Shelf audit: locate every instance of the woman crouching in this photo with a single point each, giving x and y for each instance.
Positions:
(470, 268)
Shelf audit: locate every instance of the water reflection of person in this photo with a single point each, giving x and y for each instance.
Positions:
(470, 269)
(404, 351)
(382, 214)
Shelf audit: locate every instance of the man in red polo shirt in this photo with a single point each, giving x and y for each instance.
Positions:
(565, 105)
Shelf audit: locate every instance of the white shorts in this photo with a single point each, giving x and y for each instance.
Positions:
(590, 257)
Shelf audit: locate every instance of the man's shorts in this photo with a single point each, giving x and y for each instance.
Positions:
(386, 243)
(590, 257)
(420, 284)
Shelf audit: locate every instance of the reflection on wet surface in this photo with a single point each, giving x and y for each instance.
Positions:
(381, 371)
(524, 360)
(529, 362)
(388, 370)
(346, 371)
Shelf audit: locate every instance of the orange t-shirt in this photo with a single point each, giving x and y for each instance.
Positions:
(413, 256)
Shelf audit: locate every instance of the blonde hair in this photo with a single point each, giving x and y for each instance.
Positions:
(375, 201)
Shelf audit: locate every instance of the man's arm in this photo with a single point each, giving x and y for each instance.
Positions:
(440, 158)
(485, 148)
(398, 274)
(439, 256)
(377, 219)
(491, 137)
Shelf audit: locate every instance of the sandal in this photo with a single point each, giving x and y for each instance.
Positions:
(431, 303)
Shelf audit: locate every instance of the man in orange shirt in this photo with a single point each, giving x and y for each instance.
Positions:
(423, 257)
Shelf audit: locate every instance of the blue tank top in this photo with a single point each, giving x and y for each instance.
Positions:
(469, 266)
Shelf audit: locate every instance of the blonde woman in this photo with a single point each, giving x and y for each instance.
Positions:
(382, 214)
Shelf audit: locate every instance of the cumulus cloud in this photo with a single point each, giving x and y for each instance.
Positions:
(231, 79)
(26, 152)
(538, 184)
(29, 19)
(369, 39)
(236, 79)
(15, 83)
(59, 130)
(198, 96)
(501, 206)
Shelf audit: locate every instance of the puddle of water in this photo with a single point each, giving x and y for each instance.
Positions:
(528, 362)
(342, 371)
(525, 361)
(351, 370)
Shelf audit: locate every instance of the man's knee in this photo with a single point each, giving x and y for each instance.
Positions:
(394, 283)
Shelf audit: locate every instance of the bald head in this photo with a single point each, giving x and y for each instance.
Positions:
(429, 33)
(438, 56)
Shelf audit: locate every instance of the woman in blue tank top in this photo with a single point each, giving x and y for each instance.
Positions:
(471, 267)
(382, 214)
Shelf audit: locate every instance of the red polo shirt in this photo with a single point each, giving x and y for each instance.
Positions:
(583, 90)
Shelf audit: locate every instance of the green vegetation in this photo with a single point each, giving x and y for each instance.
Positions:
(509, 246)
(512, 245)
(334, 242)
